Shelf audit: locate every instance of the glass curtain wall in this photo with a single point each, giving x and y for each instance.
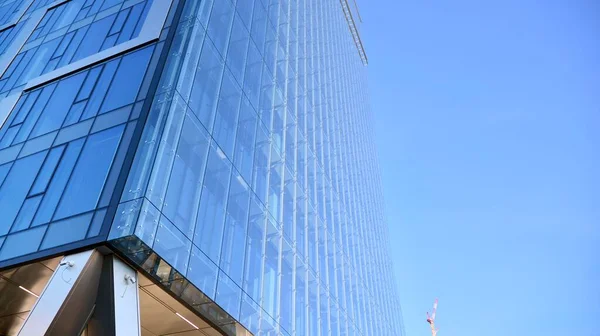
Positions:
(256, 176)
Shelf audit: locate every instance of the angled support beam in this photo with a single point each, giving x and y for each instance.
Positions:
(89, 294)
(68, 299)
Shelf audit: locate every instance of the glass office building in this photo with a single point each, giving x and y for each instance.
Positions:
(219, 151)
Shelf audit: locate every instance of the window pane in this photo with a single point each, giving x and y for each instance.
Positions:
(55, 112)
(227, 114)
(202, 272)
(41, 182)
(270, 297)
(203, 99)
(172, 245)
(26, 214)
(244, 142)
(211, 215)
(89, 176)
(15, 188)
(229, 295)
(185, 183)
(254, 251)
(59, 180)
(128, 79)
(67, 231)
(22, 243)
(234, 237)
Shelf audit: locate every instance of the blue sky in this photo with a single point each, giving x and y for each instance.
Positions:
(488, 125)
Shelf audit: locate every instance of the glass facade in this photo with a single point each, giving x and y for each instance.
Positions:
(234, 141)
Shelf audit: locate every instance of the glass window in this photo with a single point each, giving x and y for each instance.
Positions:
(15, 188)
(4, 169)
(43, 178)
(270, 292)
(313, 305)
(203, 99)
(287, 287)
(254, 250)
(67, 231)
(226, 118)
(55, 112)
(96, 225)
(234, 237)
(22, 243)
(250, 311)
(259, 24)
(175, 111)
(253, 72)
(35, 112)
(219, 26)
(243, 156)
(127, 81)
(58, 182)
(301, 302)
(90, 82)
(97, 96)
(238, 45)
(203, 272)
(92, 42)
(27, 101)
(275, 185)
(211, 214)
(85, 186)
(261, 163)
(172, 245)
(185, 182)
(229, 295)
(26, 214)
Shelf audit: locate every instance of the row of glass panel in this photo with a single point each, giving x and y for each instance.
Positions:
(220, 131)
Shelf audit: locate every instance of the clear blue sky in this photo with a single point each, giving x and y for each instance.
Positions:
(488, 122)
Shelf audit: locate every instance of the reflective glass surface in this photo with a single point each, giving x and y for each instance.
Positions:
(241, 156)
(259, 167)
(62, 144)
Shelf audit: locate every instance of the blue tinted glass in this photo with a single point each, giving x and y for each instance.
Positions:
(28, 101)
(26, 214)
(94, 229)
(234, 237)
(229, 295)
(226, 119)
(238, 45)
(249, 313)
(203, 99)
(22, 243)
(203, 272)
(128, 79)
(172, 245)
(58, 182)
(254, 251)
(67, 230)
(167, 149)
(211, 214)
(185, 183)
(35, 112)
(92, 43)
(245, 140)
(43, 178)
(88, 85)
(88, 178)
(4, 171)
(219, 26)
(15, 188)
(58, 105)
(100, 90)
(270, 298)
